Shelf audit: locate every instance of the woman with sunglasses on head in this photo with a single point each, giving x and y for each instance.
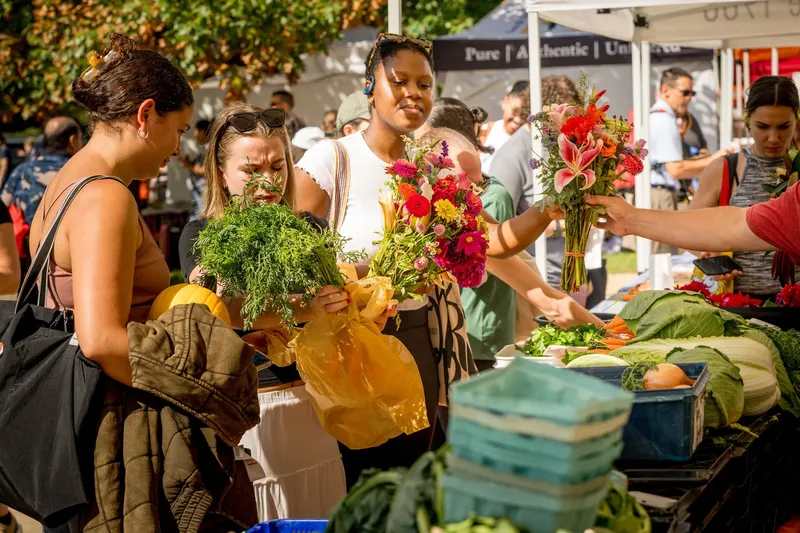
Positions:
(738, 179)
(304, 474)
(400, 89)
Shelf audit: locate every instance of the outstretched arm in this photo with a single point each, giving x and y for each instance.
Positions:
(718, 229)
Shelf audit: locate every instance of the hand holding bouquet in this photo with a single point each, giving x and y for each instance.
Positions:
(586, 152)
(431, 221)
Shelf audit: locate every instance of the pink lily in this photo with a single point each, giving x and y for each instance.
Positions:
(577, 161)
(558, 114)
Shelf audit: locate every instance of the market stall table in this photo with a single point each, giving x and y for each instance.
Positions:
(735, 481)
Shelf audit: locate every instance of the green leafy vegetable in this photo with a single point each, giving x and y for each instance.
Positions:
(418, 502)
(621, 513)
(677, 315)
(788, 344)
(725, 389)
(587, 335)
(266, 252)
(479, 524)
(790, 401)
(594, 360)
(753, 359)
(366, 507)
(633, 376)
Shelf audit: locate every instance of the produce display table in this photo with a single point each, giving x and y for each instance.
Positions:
(735, 482)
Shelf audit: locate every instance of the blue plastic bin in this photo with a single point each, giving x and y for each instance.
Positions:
(534, 390)
(539, 513)
(290, 526)
(665, 425)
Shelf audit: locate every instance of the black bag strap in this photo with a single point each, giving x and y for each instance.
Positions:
(39, 267)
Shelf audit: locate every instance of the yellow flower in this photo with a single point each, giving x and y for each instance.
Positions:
(482, 223)
(781, 171)
(447, 211)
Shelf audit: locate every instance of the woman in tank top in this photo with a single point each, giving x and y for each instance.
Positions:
(771, 110)
(105, 264)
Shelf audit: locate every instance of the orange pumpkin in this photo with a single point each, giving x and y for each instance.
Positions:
(188, 293)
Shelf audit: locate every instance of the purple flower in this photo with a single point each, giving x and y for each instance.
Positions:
(420, 227)
(531, 118)
(640, 143)
(420, 263)
(445, 149)
(534, 163)
(439, 230)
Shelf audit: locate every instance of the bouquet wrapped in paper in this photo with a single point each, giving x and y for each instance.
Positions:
(586, 152)
(432, 226)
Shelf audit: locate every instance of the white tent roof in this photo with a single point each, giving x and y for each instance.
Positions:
(712, 23)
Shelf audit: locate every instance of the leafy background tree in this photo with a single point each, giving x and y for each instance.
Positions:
(44, 43)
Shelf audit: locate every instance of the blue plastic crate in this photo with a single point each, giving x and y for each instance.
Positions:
(534, 390)
(539, 513)
(290, 526)
(665, 425)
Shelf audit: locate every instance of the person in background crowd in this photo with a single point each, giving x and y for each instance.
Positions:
(304, 473)
(694, 147)
(196, 182)
(5, 160)
(304, 139)
(9, 283)
(771, 113)
(285, 100)
(26, 185)
(329, 123)
(494, 134)
(669, 166)
(354, 114)
(36, 148)
(27, 146)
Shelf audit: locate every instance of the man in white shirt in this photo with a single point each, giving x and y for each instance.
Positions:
(494, 134)
(666, 147)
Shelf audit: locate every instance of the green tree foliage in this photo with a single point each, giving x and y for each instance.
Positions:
(44, 43)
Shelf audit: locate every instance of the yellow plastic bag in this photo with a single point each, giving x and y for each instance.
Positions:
(714, 286)
(274, 343)
(365, 386)
(371, 295)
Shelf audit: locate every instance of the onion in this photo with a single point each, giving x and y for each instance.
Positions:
(665, 376)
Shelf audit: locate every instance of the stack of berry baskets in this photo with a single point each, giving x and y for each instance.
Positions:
(534, 444)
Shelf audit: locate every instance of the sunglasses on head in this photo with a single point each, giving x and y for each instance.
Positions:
(247, 122)
(395, 38)
(689, 92)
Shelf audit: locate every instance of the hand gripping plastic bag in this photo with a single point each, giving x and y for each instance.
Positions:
(365, 386)
(274, 343)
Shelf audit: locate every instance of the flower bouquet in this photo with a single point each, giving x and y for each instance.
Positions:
(782, 265)
(585, 153)
(431, 224)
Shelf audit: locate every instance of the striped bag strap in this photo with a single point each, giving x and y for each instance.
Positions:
(341, 187)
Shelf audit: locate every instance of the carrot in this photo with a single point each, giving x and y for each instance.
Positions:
(615, 322)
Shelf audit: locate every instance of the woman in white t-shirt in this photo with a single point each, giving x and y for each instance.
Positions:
(400, 89)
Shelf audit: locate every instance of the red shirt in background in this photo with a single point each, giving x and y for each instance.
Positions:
(778, 222)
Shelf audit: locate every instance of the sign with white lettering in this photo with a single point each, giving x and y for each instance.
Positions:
(495, 54)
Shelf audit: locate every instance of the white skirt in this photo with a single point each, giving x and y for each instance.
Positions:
(304, 473)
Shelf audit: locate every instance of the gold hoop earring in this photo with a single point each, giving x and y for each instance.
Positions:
(146, 133)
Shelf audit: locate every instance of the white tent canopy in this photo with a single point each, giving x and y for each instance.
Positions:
(713, 23)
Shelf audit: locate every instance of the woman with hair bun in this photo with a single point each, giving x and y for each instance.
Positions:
(105, 264)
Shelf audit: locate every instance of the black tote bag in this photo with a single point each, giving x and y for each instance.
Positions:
(48, 390)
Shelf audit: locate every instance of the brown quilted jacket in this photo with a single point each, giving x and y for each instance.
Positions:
(163, 459)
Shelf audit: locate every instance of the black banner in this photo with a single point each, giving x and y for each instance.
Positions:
(497, 54)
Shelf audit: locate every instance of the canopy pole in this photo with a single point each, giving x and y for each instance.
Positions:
(535, 71)
(642, 189)
(726, 100)
(645, 246)
(775, 65)
(746, 68)
(396, 16)
(739, 90)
